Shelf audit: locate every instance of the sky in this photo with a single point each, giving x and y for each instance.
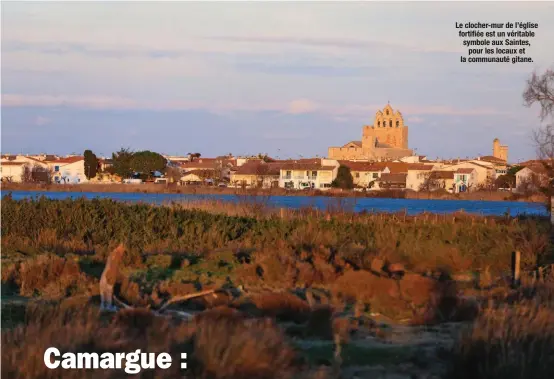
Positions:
(288, 79)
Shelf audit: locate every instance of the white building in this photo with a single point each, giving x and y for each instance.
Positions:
(12, 167)
(465, 180)
(483, 172)
(12, 172)
(69, 170)
(531, 178)
(308, 173)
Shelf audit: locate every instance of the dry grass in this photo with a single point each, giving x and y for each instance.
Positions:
(218, 347)
(510, 342)
(48, 276)
(282, 306)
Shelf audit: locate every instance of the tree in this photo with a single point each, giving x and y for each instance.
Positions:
(146, 162)
(508, 180)
(121, 163)
(540, 90)
(430, 182)
(36, 174)
(91, 164)
(173, 173)
(344, 179)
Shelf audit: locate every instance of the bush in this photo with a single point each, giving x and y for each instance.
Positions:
(514, 342)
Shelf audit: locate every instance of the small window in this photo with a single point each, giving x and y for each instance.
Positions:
(314, 173)
(379, 124)
(375, 175)
(387, 112)
(384, 124)
(390, 123)
(397, 124)
(357, 175)
(56, 168)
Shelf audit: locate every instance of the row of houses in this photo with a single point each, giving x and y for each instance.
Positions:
(412, 173)
(63, 170)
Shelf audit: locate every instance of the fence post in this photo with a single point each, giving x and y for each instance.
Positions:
(282, 212)
(516, 259)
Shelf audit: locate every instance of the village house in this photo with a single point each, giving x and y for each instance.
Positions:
(196, 177)
(256, 173)
(441, 180)
(220, 168)
(392, 181)
(363, 173)
(12, 172)
(12, 167)
(314, 174)
(484, 173)
(465, 180)
(68, 170)
(531, 178)
(417, 175)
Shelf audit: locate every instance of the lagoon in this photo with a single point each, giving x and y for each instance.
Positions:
(412, 206)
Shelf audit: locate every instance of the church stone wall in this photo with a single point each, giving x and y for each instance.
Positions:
(388, 129)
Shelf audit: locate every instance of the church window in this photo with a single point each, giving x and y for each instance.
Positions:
(390, 123)
(379, 124)
(384, 124)
(387, 112)
(397, 123)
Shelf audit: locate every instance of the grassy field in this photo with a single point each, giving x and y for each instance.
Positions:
(298, 293)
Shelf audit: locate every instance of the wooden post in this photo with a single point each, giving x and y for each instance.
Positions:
(282, 212)
(516, 258)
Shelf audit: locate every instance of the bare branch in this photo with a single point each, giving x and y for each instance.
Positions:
(185, 297)
(540, 89)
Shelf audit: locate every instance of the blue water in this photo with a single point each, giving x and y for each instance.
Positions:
(413, 206)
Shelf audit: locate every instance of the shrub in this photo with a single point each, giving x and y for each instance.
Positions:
(513, 342)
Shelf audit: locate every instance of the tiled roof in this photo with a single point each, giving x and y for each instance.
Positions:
(211, 165)
(465, 170)
(362, 166)
(12, 163)
(66, 160)
(420, 167)
(393, 178)
(259, 168)
(537, 168)
(492, 159)
(306, 166)
(442, 174)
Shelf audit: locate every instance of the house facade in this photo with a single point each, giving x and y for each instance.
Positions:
(12, 167)
(465, 180)
(12, 172)
(69, 170)
(531, 178)
(417, 175)
(312, 175)
(483, 172)
(256, 174)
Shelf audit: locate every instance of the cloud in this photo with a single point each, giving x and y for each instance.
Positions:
(342, 43)
(41, 120)
(415, 120)
(295, 107)
(302, 106)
